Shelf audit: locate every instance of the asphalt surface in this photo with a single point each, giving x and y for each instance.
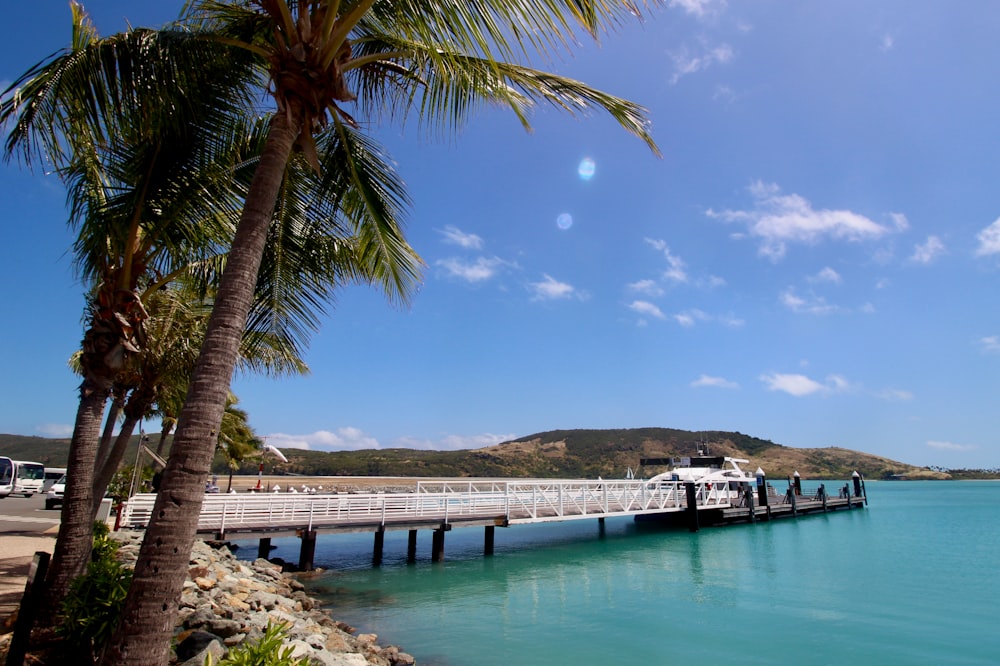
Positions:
(25, 528)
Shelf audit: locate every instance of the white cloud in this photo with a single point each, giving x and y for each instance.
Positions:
(483, 268)
(989, 240)
(899, 221)
(687, 63)
(689, 318)
(886, 43)
(778, 219)
(550, 289)
(648, 287)
(455, 236)
(55, 429)
(895, 395)
(453, 442)
(990, 343)
(344, 439)
(811, 304)
(950, 446)
(717, 382)
(675, 265)
(646, 308)
(930, 250)
(827, 275)
(698, 7)
(801, 385)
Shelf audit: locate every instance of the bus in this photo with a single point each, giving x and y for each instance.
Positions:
(28, 477)
(6, 476)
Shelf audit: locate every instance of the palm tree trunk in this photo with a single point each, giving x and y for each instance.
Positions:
(144, 632)
(105, 469)
(76, 529)
(117, 403)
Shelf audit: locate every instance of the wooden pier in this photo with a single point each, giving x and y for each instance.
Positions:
(441, 506)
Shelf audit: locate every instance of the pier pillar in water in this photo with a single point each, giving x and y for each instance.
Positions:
(377, 548)
(437, 545)
(411, 546)
(822, 495)
(748, 500)
(762, 493)
(692, 505)
(264, 548)
(488, 534)
(791, 500)
(797, 483)
(857, 483)
(308, 550)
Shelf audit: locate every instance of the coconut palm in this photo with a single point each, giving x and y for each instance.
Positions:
(439, 59)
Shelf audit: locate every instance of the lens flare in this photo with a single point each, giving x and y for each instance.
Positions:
(586, 169)
(564, 221)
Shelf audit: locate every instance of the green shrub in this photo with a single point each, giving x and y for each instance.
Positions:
(96, 599)
(266, 651)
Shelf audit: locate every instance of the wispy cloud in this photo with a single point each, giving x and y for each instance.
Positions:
(809, 304)
(894, 395)
(689, 318)
(686, 62)
(827, 275)
(646, 309)
(928, 251)
(950, 446)
(550, 289)
(343, 439)
(779, 219)
(886, 43)
(715, 382)
(452, 442)
(675, 271)
(989, 240)
(478, 270)
(55, 429)
(990, 344)
(698, 7)
(647, 287)
(800, 385)
(455, 236)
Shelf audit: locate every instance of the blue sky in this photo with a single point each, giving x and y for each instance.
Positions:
(813, 261)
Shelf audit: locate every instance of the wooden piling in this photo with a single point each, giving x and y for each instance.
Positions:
(307, 553)
(488, 534)
(437, 545)
(692, 506)
(377, 547)
(264, 548)
(411, 546)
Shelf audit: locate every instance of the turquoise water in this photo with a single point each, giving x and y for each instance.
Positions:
(910, 580)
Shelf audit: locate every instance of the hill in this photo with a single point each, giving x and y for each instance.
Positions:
(557, 454)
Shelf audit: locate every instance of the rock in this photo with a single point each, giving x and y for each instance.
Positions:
(195, 643)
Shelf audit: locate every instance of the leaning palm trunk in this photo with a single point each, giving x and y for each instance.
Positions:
(76, 529)
(147, 623)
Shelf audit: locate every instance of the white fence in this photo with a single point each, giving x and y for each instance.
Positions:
(446, 502)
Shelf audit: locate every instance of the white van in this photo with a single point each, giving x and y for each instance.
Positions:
(28, 477)
(52, 475)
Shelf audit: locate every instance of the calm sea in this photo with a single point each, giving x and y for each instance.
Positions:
(912, 579)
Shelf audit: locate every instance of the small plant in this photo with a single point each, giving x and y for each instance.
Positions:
(266, 651)
(96, 599)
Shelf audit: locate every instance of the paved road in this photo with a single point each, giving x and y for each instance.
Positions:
(26, 516)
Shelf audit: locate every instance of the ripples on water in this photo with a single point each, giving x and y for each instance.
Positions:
(910, 580)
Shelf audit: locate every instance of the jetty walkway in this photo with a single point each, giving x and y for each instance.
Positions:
(443, 505)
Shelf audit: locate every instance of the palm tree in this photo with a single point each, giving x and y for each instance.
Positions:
(438, 58)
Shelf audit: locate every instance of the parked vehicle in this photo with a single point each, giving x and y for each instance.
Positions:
(28, 477)
(54, 495)
(52, 475)
(6, 476)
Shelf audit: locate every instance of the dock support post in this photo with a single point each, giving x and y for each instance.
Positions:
(264, 548)
(748, 498)
(791, 500)
(308, 551)
(692, 505)
(488, 535)
(797, 482)
(437, 545)
(762, 493)
(822, 495)
(857, 486)
(411, 546)
(379, 543)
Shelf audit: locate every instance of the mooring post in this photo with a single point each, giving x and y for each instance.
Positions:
(797, 483)
(822, 495)
(411, 546)
(437, 545)
(308, 551)
(762, 493)
(488, 535)
(692, 505)
(748, 498)
(377, 548)
(857, 485)
(264, 548)
(791, 500)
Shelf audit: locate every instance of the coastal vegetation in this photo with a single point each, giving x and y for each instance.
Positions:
(577, 453)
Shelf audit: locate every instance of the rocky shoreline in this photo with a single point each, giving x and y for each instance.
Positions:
(227, 601)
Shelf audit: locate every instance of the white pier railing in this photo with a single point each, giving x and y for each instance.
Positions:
(444, 502)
